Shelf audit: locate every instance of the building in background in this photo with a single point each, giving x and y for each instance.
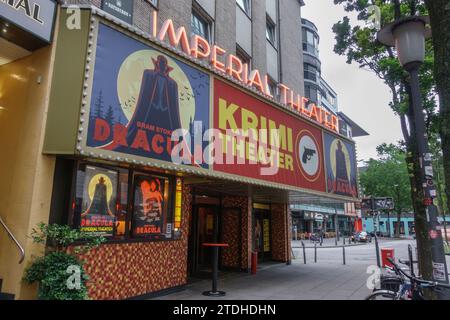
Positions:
(313, 215)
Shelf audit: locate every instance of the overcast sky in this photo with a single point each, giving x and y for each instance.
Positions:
(361, 95)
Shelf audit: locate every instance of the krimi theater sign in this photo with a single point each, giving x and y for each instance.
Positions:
(33, 16)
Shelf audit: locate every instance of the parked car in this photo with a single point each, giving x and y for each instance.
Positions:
(361, 237)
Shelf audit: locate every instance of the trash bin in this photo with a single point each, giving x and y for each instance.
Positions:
(385, 254)
(254, 262)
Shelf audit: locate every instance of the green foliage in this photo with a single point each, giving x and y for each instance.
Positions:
(60, 237)
(388, 176)
(52, 271)
(359, 44)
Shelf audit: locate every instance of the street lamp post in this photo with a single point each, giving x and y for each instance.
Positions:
(408, 36)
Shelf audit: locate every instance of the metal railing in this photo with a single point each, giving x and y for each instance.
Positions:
(13, 238)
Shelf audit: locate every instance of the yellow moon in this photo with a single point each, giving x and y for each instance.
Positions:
(129, 83)
(93, 183)
(333, 148)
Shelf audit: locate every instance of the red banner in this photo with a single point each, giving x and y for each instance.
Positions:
(270, 144)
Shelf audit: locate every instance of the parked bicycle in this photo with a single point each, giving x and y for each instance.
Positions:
(409, 286)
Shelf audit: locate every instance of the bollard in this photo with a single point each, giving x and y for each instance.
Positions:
(343, 254)
(335, 242)
(315, 252)
(304, 252)
(344, 240)
(411, 260)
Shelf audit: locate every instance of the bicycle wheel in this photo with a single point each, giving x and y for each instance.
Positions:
(382, 295)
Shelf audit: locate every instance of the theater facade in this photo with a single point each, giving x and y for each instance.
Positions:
(163, 143)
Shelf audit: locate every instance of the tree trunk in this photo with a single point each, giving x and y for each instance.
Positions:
(439, 11)
(420, 219)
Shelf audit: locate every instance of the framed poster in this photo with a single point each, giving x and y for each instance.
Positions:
(150, 206)
(98, 207)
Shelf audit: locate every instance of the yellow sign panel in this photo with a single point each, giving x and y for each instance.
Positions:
(266, 235)
(178, 203)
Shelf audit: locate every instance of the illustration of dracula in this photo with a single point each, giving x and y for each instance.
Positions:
(158, 103)
(99, 205)
(341, 164)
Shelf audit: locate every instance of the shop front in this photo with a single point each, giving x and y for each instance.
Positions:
(307, 223)
(161, 152)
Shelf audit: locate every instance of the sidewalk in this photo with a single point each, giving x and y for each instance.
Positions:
(328, 279)
(282, 282)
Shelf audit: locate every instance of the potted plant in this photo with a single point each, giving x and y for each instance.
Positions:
(60, 273)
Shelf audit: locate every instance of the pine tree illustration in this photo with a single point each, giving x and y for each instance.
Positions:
(99, 105)
(110, 116)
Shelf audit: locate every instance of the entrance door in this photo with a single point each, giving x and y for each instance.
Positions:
(262, 235)
(206, 230)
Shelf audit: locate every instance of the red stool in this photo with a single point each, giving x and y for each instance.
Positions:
(214, 292)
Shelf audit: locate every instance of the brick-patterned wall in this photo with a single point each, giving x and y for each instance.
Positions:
(245, 226)
(231, 234)
(120, 271)
(279, 233)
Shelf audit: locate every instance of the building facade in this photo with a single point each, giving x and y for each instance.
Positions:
(110, 135)
(387, 224)
(311, 216)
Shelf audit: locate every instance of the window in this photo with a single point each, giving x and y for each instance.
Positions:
(244, 57)
(311, 93)
(245, 5)
(270, 31)
(200, 26)
(104, 206)
(311, 72)
(310, 42)
(273, 87)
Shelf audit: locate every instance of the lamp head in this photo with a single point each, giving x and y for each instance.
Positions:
(408, 35)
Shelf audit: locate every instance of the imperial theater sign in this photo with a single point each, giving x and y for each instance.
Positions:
(33, 16)
(200, 48)
(134, 97)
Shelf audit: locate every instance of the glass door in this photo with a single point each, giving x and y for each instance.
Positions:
(206, 230)
(262, 238)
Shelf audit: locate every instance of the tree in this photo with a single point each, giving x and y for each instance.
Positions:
(388, 176)
(360, 45)
(439, 11)
(109, 117)
(99, 105)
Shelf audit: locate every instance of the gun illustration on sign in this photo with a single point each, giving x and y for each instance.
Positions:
(308, 154)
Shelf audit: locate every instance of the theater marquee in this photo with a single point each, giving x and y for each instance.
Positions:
(137, 95)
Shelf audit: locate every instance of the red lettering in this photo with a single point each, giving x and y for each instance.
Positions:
(141, 141)
(157, 142)
(102, 130)
(120, 135)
